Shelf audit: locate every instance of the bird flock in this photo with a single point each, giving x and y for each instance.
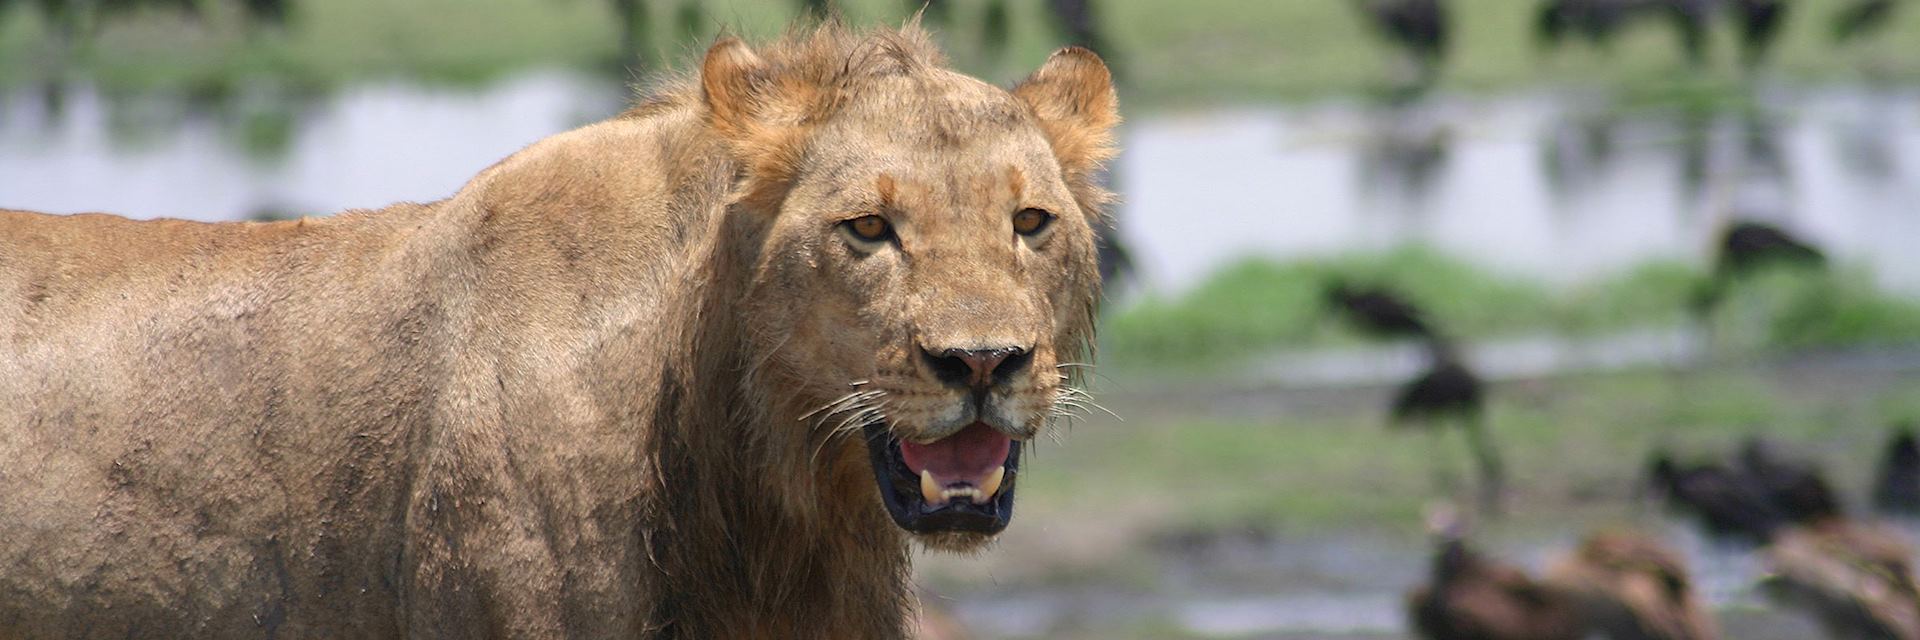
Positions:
(1852, 575)
(1422, 28)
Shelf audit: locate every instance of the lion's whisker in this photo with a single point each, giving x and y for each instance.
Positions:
(1082, 396)
(858, 410)
(830, 404)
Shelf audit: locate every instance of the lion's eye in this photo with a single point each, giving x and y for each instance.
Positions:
(1031, 221)
(869, 228)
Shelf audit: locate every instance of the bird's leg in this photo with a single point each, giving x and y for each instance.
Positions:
(1445, 481)
(1493, 473)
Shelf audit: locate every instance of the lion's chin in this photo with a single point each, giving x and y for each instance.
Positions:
(953, 494)
(954, 542)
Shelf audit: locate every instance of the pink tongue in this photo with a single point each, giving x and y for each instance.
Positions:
(968, 456)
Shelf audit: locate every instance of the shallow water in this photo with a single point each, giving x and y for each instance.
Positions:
(1549, 187)
(364, 147)
(1345, 586)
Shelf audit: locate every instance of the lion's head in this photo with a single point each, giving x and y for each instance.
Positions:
(926, 271)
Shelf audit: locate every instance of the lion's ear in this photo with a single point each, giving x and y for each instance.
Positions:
(1072, 95)
(732, 81)
(758, 112)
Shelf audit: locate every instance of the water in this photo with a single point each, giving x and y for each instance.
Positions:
(1554, 187)
(363, 147)
(1351, 584)
(1547, 186)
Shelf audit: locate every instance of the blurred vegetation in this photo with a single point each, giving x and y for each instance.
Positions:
(1257, 305)
(1176, 52)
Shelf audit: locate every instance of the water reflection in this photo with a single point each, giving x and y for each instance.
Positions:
(1547, 186)
(232, 154)
(1402, 157)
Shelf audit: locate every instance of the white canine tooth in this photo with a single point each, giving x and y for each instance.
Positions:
(992, 486)
(930, 490)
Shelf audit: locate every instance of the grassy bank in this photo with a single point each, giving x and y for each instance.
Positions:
(1312, 463)
(1258, 305)
(1175, 52)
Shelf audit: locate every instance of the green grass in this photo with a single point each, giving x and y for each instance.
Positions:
(1574, 446)
(1258, 305)
(1194, 52)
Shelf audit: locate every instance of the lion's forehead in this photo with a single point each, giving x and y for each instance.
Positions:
(990, 173)
(938, 97)
(940, 116)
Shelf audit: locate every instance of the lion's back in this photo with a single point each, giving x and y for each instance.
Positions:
(161, 383)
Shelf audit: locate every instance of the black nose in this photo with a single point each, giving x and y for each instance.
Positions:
(977, 368)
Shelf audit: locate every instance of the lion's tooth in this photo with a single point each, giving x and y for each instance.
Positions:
(991, 487)
(930, 490)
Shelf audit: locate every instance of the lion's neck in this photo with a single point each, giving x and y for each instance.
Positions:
(754, 537)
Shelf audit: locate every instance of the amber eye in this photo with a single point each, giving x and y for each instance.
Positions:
(869, 228)
(1031, 221)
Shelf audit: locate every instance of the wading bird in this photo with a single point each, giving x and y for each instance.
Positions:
(1691, 20)
(1450, 392)
(1795, 488)
(1745, 247)
(1861, 19)
(1418, 27)
(1377, 311)
(1724, 502)
(1760, 22)
(1598, 21)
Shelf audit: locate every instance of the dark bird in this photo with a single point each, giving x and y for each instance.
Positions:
(1419, 27)
(1727, 505)
(1597, 21)
(1471, 597)
(816, 8)
(1861, 19)
(1629, 585)
(272, 13)
(1450, 392)
(1795, 488)
(1896, 489)
(1377, 311)
(1115, 261)
(1760, 22)
(1691, 20)
(1746, 247)
(1857, 581)
(932, 12)
(996, 27)
(1075, 21)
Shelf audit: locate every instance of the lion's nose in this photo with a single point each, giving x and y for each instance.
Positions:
(977, 368)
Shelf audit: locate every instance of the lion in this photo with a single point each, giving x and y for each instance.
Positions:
(708, 369)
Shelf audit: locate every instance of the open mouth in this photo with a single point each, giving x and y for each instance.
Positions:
(960, 483)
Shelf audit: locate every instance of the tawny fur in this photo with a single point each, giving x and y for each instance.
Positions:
(566, 401)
